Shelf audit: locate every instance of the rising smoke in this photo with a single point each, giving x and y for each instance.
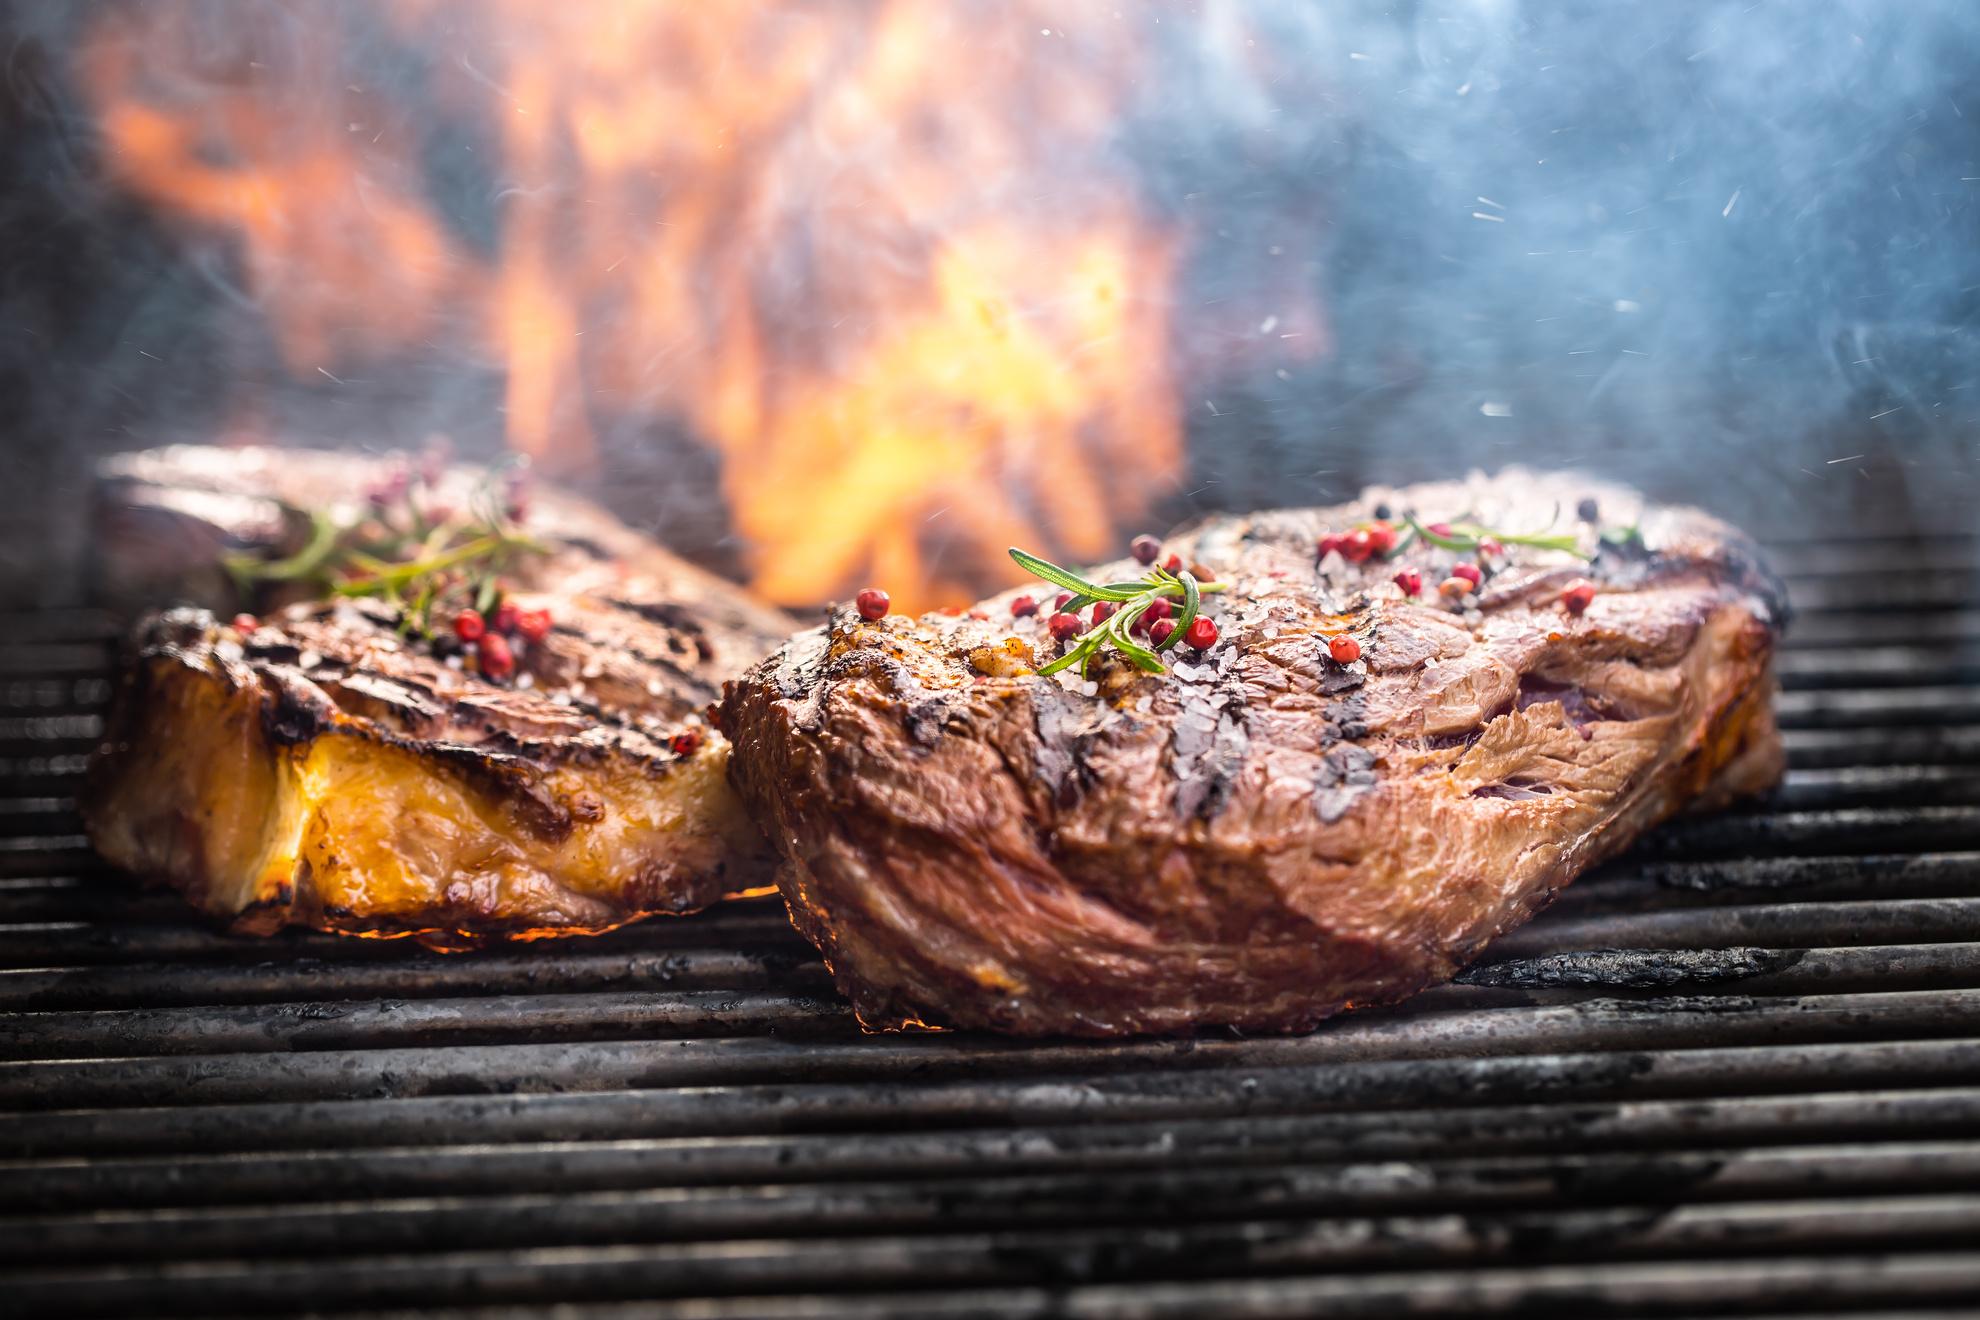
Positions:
(1709, 247)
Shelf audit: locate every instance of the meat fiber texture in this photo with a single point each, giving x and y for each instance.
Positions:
(319, 768)
(1261, 837)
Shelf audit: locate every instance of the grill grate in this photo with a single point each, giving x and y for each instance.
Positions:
(1737, 1072)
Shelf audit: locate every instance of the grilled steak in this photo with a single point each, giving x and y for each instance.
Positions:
(319, 767)
(1264, 835)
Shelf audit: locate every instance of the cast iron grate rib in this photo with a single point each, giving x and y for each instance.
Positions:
(1737, 1072)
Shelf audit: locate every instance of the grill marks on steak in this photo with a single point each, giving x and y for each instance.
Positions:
(321, 770)
(1263, 836)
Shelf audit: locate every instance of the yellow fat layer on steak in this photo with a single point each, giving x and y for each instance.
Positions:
(385, 834)
(348, 831)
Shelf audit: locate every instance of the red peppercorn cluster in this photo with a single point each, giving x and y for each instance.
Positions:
(1344, 650)
(491, 640)
(1359, 544)
(1154, 612)
(1158, 610)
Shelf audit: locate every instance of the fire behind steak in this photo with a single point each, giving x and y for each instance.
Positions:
(1264, 835)
(320, 768)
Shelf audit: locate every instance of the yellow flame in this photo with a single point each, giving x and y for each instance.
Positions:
(842, 242)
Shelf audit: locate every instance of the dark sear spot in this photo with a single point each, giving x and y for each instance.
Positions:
(926, 718)
(1067, 727)
(1348, 717)
(1210, 741)
(292, 714)
(1335, 679)
(1345, 774)
(1580, 706)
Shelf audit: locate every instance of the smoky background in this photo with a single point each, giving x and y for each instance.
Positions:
(1727, 251)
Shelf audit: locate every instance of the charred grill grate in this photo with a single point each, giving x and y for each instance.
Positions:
(1736, 1073)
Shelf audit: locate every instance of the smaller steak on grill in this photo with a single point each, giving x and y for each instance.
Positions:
(320, 768)
(1264, 835)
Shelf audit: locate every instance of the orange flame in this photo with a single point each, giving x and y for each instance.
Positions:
(877, 256)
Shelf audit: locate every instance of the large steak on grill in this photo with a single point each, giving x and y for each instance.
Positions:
(1263, 835)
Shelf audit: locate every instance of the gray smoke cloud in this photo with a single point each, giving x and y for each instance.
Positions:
(1708, 247)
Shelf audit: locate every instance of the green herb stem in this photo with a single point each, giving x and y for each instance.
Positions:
(306, 562)
(1468, 536)
(396, 576)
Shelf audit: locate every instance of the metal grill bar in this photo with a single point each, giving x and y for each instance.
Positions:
(1820, 1283)
(1242, 1251)
(503, 1216)
(1736, 1071)
(1669, 1024)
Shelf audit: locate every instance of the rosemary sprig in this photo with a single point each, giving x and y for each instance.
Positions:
(405, 552)
(382, 578)
(1117, 629)
(1468, 536)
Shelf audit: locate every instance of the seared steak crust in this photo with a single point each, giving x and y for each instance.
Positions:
(1263, 836)
(320, 769)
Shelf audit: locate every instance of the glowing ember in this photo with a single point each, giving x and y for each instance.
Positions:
(878, 256)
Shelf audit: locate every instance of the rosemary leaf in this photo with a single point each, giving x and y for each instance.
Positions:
(1052, 573)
